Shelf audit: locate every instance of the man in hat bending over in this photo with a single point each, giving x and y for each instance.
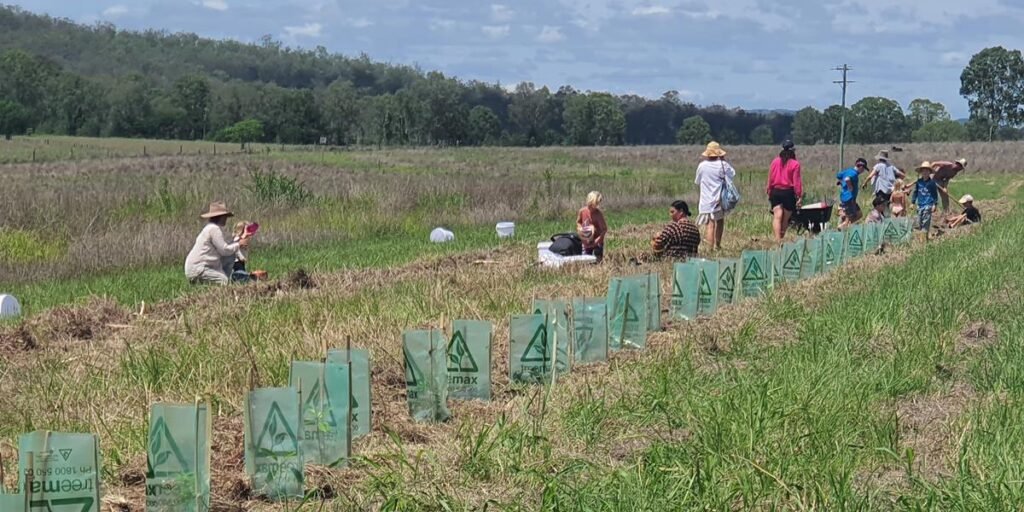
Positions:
(205, 262)
(944, 172)
(884, 176)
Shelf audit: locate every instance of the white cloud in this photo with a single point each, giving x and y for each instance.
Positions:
(591, 14)
(438, 24)
(865, 16)
(652, 10)
(501, 13)
(954, 58)
(115, 11)
(495, 31)
(360, 22)
(550, 34)
(307, 30)
(217, 5)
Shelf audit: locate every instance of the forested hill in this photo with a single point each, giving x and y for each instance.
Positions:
(60, 77)
(103, 50)
(57, 76)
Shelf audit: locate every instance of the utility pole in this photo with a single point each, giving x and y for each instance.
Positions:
(842, 117)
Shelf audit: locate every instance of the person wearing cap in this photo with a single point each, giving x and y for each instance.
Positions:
(785, 188)
(680, 239)
(943, 173)
(206, 261)
(971, 215)
(847, 181)
(712, 174)
(884, 176)
(925, 195)
(591, 226)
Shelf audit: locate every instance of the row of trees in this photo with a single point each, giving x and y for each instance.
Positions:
(55, 77)
(37, 94)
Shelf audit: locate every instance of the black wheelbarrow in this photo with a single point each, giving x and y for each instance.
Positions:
(811, 218)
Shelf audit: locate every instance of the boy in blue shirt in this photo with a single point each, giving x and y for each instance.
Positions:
(925, 195)
(847, 181)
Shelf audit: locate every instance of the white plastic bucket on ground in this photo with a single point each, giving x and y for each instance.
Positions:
(505, 229)
(441, 235)
(9, 306)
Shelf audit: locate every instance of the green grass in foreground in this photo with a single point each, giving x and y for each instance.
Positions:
(820, 416)
(813, 409)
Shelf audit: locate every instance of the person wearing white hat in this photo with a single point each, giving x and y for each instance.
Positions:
(971, 215)
(205, 262)
(944, 172)
(712, 175)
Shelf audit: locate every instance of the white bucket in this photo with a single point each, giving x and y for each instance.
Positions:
(9, 306)
(441, 235)
(505, 229)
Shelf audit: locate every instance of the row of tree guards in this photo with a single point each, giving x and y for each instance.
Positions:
(327, 403)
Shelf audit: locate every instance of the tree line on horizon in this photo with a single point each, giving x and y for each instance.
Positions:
(60, 77)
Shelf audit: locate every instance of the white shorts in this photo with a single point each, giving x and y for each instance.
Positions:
(707, 218)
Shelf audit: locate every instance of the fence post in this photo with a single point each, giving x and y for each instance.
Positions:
(143, 150)
(33, 154)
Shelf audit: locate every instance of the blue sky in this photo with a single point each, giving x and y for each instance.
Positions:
(746, 53)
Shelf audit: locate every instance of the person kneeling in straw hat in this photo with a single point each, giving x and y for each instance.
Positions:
(943, 173)
(971, 215)
(205, 262)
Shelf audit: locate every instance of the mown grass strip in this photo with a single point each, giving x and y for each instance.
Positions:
(809, 417)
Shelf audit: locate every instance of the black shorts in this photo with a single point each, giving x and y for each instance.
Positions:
(784, 197)
(887, 197)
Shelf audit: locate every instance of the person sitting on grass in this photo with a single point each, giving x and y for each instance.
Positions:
(591, 226)
(205, 263)
(971, 215)
(925, 195)
(877, 215)
(681, 238)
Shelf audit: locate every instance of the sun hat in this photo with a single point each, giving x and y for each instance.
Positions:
(714, 150)
(217, 209)
(788, 145)
(925, 166)
(882, 155)
(962, 162)
(967, 199)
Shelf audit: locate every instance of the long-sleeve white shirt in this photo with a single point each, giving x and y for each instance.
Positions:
(209, 252)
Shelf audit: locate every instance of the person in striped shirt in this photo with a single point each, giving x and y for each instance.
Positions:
(680, 239)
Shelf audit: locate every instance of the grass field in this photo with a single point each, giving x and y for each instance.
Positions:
(894, 383)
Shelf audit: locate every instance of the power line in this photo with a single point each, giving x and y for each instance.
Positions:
(842, 123)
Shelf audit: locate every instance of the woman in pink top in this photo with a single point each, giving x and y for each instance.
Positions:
(785, 189)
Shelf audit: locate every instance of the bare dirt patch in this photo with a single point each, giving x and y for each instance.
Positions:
(928, 425)
(91, 321)
(977, 336)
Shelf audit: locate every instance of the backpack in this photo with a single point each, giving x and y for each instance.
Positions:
(730, 194)
(566, 244)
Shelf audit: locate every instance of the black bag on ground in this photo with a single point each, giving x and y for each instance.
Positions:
(566, 244)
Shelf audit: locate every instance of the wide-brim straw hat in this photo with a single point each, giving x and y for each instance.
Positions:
(962, 162)
(925, 166)
(967, 199)
(882, 155)
(217, 210)
(714, 150)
